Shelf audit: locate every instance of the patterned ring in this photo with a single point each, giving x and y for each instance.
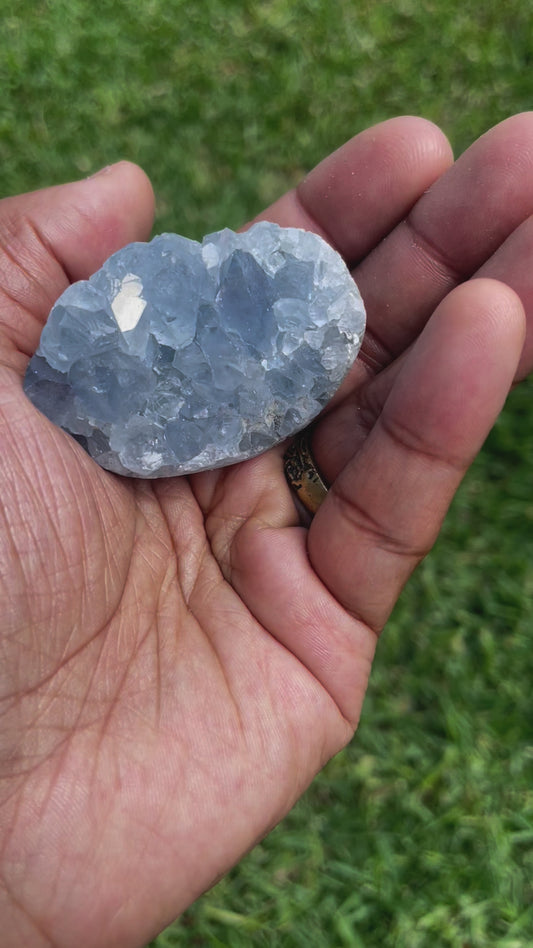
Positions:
(302, 473)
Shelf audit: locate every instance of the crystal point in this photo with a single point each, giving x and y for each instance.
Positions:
(178, 356)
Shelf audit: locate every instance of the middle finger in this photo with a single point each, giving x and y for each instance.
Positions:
(451, 231)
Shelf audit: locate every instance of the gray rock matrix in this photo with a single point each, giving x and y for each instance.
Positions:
(178, 356)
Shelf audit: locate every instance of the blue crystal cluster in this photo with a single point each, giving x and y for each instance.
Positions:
(178, 356)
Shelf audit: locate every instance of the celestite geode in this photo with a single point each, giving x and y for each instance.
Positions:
(178, 356)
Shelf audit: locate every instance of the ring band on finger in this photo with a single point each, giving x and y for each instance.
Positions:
(302, 473)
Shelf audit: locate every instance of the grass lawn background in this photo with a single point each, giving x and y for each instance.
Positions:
(421, 832)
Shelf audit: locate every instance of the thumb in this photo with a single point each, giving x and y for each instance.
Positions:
(52, 237)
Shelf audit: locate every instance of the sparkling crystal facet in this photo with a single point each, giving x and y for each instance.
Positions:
(178, 356)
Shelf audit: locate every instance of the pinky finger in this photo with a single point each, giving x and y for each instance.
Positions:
(384, 511)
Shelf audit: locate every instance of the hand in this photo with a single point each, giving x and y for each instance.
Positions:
(180, 657)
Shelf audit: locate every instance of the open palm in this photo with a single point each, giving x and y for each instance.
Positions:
(180, 657)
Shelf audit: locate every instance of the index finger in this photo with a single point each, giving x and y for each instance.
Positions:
(356, 195)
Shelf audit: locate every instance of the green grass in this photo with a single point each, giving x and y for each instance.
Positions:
(226, 102)
(421, 832)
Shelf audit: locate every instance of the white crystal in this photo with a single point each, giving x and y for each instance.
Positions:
(128, 305)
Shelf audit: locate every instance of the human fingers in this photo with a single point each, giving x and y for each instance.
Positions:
(448, 235)
(511, 264)
(383, 512)
(55, 236)
(357, 194)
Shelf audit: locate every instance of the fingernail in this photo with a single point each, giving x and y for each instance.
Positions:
(104, 170)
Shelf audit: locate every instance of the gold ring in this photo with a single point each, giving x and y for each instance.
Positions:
(302, 473)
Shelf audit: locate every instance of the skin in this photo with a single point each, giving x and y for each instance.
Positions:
(179, 658)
